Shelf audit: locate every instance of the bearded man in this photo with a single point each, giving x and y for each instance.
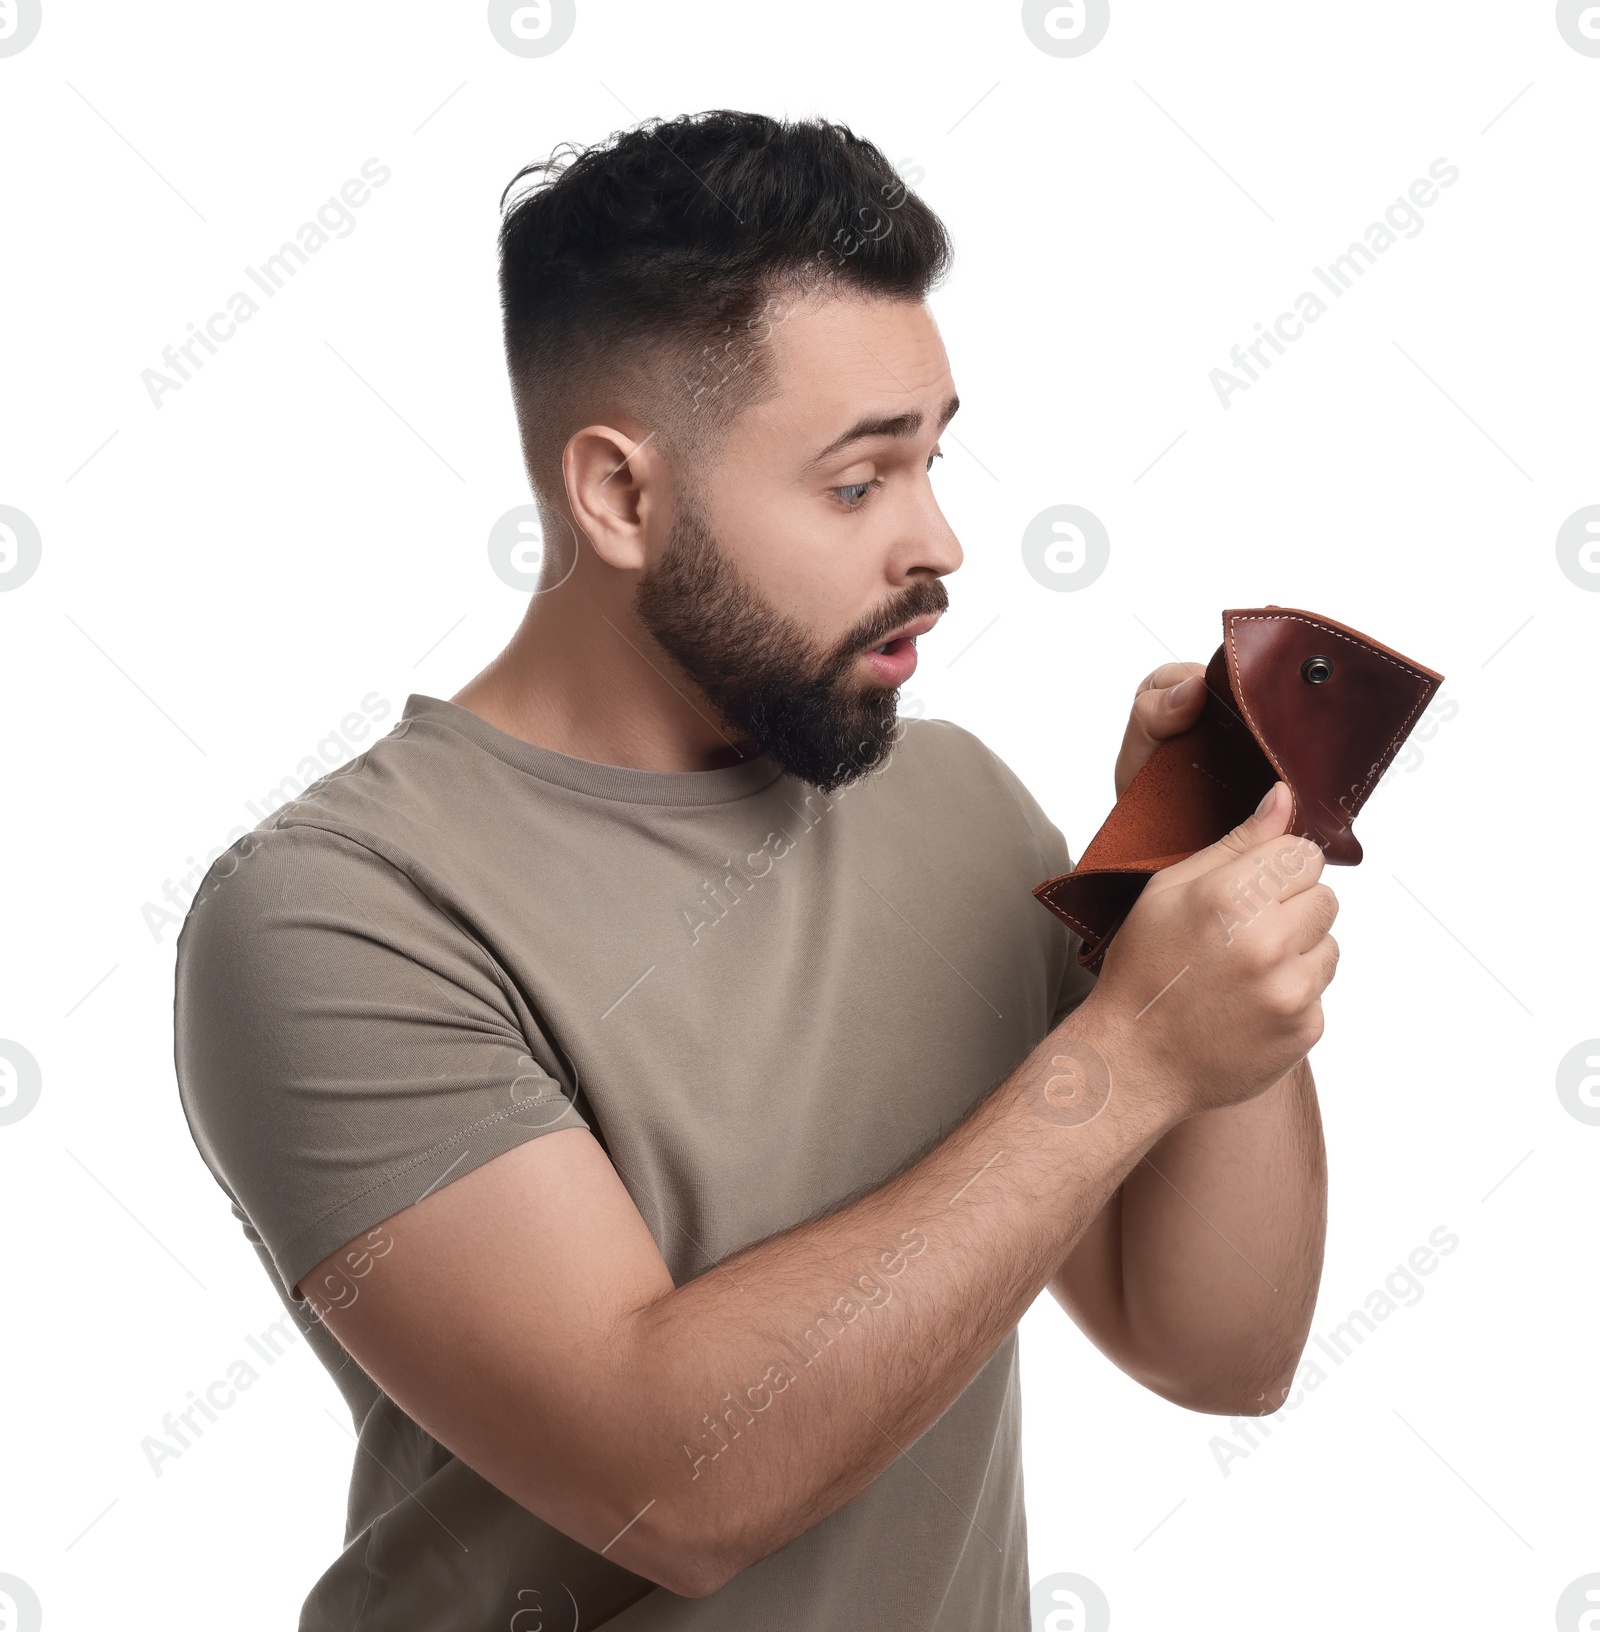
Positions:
(648, 1076)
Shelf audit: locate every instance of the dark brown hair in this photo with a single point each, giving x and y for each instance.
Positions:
(655, 261)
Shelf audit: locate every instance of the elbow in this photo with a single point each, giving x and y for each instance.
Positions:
(686, 1564)
(1226, 1396)
(676, 1563)
(686, 1577)
(696, 1569)
(1232, 1401)
(701, 1579)
(681, 1571)
(1239, 1378)
(702, 1564)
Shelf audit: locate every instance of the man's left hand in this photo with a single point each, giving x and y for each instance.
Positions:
(1167, 702)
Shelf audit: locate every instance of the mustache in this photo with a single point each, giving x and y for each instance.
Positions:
(926, 596)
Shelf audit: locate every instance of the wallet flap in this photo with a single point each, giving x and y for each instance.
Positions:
(1329, 707)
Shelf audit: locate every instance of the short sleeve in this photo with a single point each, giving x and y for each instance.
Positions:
(343, 1046)
(1076, 981)
(1054, 860)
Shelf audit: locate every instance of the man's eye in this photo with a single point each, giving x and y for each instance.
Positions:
(856, 494)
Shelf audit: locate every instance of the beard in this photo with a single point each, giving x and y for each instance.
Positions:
(770, 682)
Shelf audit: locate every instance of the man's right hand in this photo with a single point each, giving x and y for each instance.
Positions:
(1214, 982)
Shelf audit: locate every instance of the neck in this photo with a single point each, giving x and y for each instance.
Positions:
(583, 677)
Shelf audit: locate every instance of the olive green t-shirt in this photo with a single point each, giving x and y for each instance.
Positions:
(760, 999)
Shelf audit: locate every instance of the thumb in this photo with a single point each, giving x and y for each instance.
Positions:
(1267, 821)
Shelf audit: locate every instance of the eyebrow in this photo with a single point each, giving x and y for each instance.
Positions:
(900, 425)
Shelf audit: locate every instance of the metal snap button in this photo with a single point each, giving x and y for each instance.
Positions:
(1316, 669)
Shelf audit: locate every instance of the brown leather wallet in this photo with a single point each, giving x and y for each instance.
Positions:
(1290, 696)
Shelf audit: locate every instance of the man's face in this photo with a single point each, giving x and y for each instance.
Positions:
(813, 538)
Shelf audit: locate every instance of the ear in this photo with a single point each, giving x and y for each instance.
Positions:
(619, 487)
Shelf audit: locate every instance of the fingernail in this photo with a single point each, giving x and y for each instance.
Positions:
(1266, 800)
(1179, 694)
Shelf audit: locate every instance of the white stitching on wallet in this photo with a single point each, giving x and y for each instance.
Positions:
(1311, 623)
(1083, 929)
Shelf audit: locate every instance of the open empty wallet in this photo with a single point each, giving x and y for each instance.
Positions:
(1290, 696)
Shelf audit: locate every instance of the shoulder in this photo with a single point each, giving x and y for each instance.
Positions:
(275, 872)
(397, 782)
(361, 828)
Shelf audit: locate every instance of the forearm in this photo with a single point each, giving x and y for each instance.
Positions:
(773, 1389)
(1208, 1264)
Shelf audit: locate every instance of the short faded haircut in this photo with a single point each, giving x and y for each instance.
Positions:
(649, 270)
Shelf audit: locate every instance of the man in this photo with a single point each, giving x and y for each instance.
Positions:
(651, 1067)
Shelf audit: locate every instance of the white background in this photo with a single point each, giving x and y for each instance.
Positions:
(304, 523)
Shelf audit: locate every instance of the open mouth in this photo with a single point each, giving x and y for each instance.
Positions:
(905, 638)
(894, 661)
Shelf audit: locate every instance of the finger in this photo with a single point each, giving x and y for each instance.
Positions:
(1282, 866)
(1269, 820)
(1168, 675)
(1312, 914)
(1261, 893)
(1322, 962)
(1170, 700)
